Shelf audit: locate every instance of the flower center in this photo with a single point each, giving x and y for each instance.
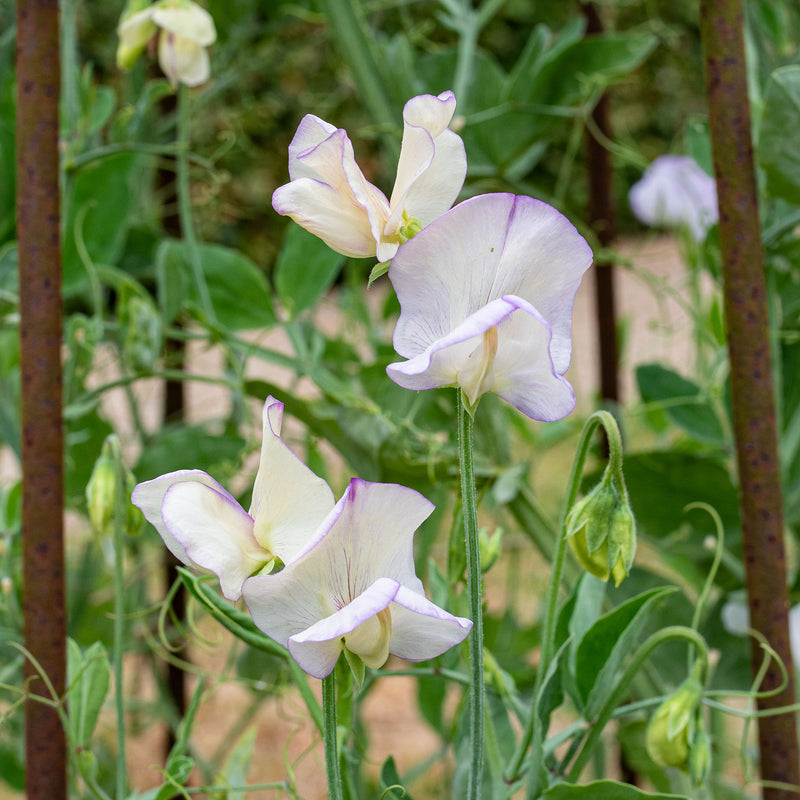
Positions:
(477, 376)
(370, 640)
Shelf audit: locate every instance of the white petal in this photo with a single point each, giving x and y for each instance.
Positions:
(317, 648)
(433, 162)
(289, 500)
(484, 248)
(344, 226)
(149, 496)
(216, 533)
(192, 22)
(135, 31)
(421, 630)
(182, 60)
(311, 132)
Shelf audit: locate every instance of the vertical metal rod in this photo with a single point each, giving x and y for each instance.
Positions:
(752, 387)
(38, 237)
(603, 219)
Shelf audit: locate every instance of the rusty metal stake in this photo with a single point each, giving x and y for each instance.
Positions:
(752, 389)
(38, 236)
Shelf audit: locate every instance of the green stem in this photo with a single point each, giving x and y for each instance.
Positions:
(330, 737)
(185, 203)
(606, 712)
(533, 731)
(120, 495)
(470, 511)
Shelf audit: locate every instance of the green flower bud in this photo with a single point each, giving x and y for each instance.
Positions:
(700, 758)
(141, 322)
(101, 490)
(602, 531)
(490, 548)
(671, 730)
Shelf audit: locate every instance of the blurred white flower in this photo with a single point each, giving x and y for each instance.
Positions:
(186, 30)
(329, 196)
(736, 620)
(674, 191)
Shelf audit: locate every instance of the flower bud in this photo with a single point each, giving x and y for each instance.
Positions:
(700, 758)
(602, 532)
(490, 548)
(671, 729)
(101, 490)
(142, 325)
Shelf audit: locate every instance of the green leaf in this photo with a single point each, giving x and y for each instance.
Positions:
(188, 447)
(237, 765)
(391, 785)
(606, 644)
(604, 790)
(306, 268)
(239, 291)
(778, 153)
(98, 201)
(683, 401)
(89, 675)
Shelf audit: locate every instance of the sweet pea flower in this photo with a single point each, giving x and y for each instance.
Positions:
(329, 196)
(186, 31)
(486, 294)
(675, 191)
(354, 586)
(203, 526)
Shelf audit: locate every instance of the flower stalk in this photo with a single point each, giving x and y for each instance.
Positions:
(477, 697)
(330, 736)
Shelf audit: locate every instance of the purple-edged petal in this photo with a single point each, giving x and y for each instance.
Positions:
(422, 630)
(149, 496)
(484, 248)
(504, 348)
(673, 191)
(289, 500)
(433, 162)
(311, 131)
(215, 532)
(317, 648)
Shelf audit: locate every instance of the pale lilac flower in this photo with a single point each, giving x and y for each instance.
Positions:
(675, 191)
(354, 586)
(486, 294)
(186, 30)
(203, 525)
(329, 196)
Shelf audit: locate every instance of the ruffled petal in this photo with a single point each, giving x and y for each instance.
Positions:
(311, 131)
(343, 226)
(289, 500)
(484, 248)
(149, 496)
(421, 630)
(433, 162)
(216, 533)
(191, 22)
(317, 648)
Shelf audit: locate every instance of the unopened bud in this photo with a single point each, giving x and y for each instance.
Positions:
(671, 729)
(142, 324)
(602, 531)
(101, 490)
(700, 758)
(490, 548)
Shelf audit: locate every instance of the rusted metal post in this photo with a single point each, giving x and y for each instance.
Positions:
(751, 377)
(38, 237)
(602, 218)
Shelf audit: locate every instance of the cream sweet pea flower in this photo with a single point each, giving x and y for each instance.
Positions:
(486, 294)
(203, 525)
(186, 30)
(329, 196)
(354, 586)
